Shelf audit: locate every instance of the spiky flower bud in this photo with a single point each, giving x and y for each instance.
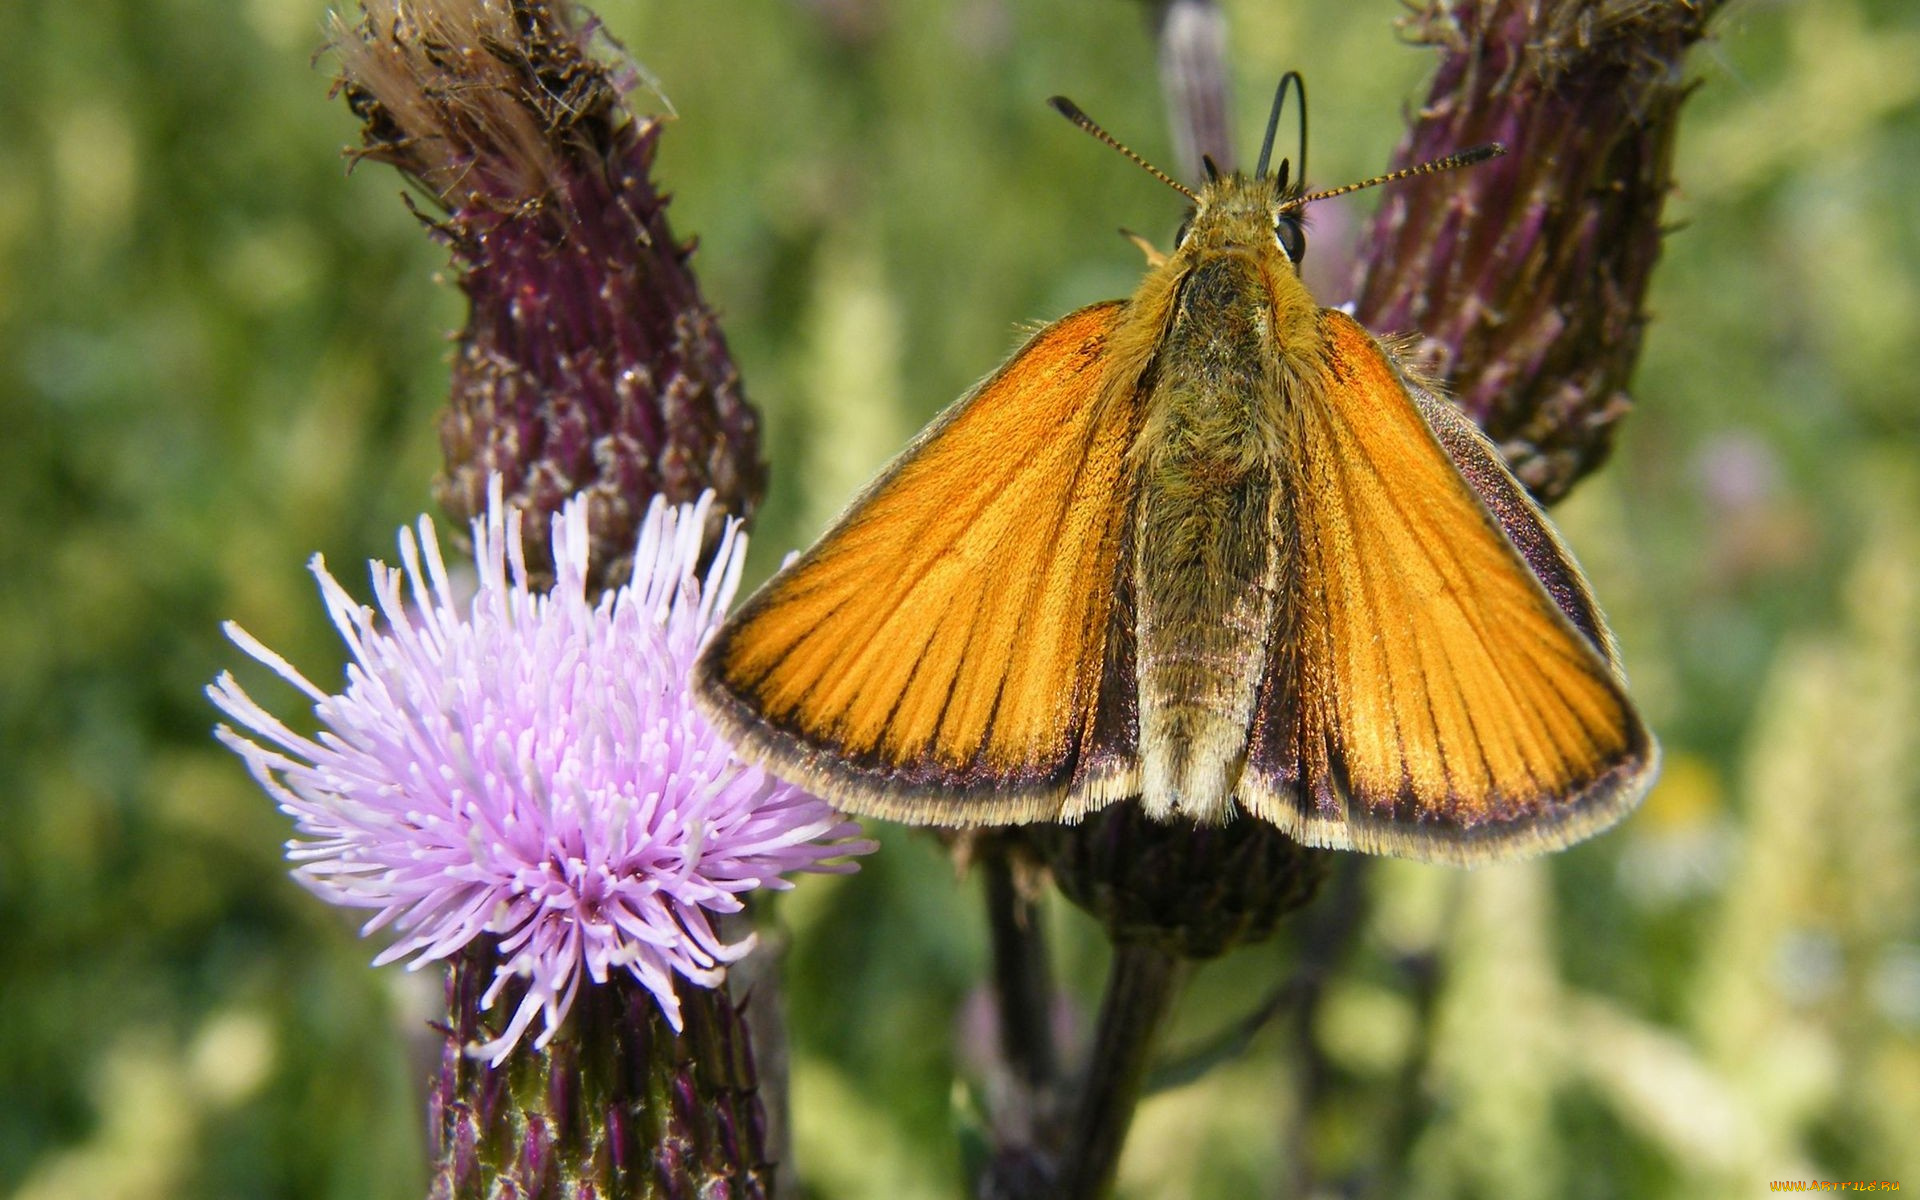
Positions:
(589, 365)
(1195, 891)
(1526, 276)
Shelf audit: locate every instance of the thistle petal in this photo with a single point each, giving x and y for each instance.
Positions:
(530, 767)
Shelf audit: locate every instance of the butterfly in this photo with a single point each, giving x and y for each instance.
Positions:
(1214, 550)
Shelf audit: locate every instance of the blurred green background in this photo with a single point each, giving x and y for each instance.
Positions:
(219, 354)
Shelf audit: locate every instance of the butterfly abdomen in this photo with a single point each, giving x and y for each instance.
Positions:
(1208, 578)
(1209, 562)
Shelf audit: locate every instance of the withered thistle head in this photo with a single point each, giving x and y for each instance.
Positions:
(1195, 891)
(589, 364)
(1526, 277)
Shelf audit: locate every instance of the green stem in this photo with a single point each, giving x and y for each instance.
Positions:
(1141, 985)
(1023, 983)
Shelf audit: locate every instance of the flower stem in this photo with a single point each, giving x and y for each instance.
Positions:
(1141, 985)
(1026, 1127)
(1023, 981)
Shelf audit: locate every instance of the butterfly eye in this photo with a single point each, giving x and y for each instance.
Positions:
(1292, 238)
(1186, 227)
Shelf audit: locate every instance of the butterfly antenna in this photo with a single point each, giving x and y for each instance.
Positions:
(1273, 123)
(1071, 112)
(1452, 162)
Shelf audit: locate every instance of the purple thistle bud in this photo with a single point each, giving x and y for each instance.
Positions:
(525, 770)
(1526, 277)
(590, 364)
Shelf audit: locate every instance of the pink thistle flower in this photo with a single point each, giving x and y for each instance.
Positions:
(530, 767)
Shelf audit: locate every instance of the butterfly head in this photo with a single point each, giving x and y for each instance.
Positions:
(1251, 214)
(1264, 211)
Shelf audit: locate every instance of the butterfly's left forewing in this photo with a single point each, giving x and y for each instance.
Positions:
(947, 653)
(1431, 698)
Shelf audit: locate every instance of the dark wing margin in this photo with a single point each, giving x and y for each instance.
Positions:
(1479, 462)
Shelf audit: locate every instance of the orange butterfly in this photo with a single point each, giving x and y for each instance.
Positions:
(1213, 548)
